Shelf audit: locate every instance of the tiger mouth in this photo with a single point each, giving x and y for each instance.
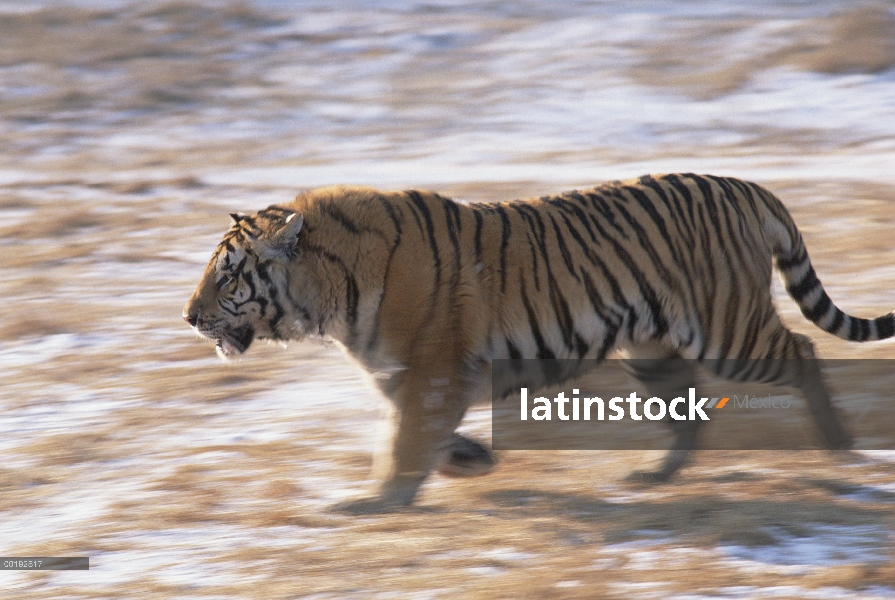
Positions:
(235, 342)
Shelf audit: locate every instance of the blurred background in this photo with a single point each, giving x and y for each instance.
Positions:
(129, 130)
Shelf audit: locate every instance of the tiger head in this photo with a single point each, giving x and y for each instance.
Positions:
(245, 292)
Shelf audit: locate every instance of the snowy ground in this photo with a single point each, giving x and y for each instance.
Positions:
(127, 132)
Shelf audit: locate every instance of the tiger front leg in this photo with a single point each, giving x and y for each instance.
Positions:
(425, 412)
(665, 374)
(675, 458)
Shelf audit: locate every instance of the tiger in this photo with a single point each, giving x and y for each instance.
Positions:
(424, 292)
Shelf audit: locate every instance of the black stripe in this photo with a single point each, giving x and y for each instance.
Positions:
(772, 349)
(478, 234)
(581, 346)
(352, 292)
(452, 219)
(865, 330)
(885, 327)
(248, 226)
(632, 322)
(705, 189)
(608, 342)
(227, 310)
(647, 205)
(417, 200)
(593, 296)
(646, 243)
(352, 297)
(679, 220)
(576, 235)
(709, 280)
(746, 194)
(543, 350)
(504, 240)
(454, 227)
(396, 221)
(279, 313)
(237, 270)
(512, 349)
(731, 311)
(560, 305)
(681, 188)
(752, 329)
(562, 313)
(392, 214)
(734, 217)
(534, 261)
(608, 276)
(689, 261)
(532, 217)
(572, 208)
(751, 193)
(564, 250)
(714, 209)
(419, 223)
(274, 212)
(697, 217)
(837, 321)
(261, 272)
(784, 264)
(602, 206)
(595, 259)
(804, 287)
(532, 238)
(339, 217)
(646, 290)
(820, 308)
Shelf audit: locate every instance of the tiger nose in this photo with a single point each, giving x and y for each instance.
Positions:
(191, 319)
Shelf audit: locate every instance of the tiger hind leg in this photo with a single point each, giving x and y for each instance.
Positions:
(792, 363)
(810, 381)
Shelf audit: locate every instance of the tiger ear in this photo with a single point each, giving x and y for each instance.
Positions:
(288, 234)
(282, 242)
(236, 218)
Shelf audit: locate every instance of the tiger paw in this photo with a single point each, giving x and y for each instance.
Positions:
(648, 477)
(467, 458)
(366, 505)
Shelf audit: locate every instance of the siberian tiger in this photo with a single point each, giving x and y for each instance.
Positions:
(425, 292)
